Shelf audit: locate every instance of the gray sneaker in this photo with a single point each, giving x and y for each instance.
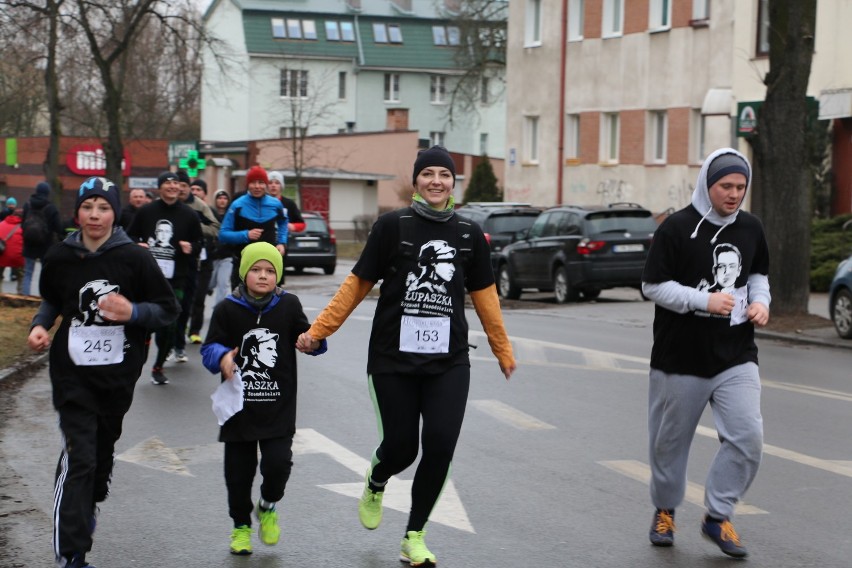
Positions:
(157, 376)
(180, 356)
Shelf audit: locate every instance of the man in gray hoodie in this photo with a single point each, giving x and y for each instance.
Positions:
(707, 274)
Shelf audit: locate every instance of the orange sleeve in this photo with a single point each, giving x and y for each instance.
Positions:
(487, 306)
(348, 296)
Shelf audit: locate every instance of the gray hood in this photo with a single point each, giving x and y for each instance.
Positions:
(701, 195)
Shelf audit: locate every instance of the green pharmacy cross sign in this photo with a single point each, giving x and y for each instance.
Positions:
(192, 163)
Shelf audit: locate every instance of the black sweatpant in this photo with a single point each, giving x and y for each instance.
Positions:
(196, 320)
(83, 475)
(276, 462)
(400, 401)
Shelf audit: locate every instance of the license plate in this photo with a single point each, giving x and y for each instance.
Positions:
(628, 248)
(309, 244)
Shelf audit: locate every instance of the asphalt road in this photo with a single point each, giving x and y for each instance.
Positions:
(550, 471)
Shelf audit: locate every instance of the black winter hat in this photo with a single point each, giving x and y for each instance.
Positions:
(434, 156)
(99, 187)
(200, 183)
(183, 176)
(164, 177)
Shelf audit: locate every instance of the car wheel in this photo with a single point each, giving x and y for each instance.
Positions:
(505, 285)
(329, 269)
(562, 288)
(841, 312)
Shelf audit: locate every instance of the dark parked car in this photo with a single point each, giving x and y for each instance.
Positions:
(500, 222)
(315, 247)
(575, 250)
(840, 299)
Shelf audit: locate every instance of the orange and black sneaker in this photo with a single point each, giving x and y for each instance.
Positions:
(723, 534)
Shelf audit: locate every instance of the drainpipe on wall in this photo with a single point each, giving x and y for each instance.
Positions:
(560, 170)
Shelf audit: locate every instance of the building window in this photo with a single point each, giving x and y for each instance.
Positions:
(700, 10)
(391, 87)
(292, 132)
(387, 33)
(762, 27)
(696, 138)
(341, 85)
(293, 29)
(572, 136)
(657, 136)
(436, 138)
(533, 24)
(339, 31)
(484, 94)
(660, 15)
(438, 89)
(613, 18)
(483, 143)
(294, 83)
(609, 138)
(531, 139)
(576, 15)
(446, 35)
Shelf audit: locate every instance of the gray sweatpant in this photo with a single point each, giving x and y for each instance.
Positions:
(675, 405)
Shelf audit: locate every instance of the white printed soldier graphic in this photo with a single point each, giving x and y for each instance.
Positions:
(91, 339)
(727, 266)
(425, 327)
(259, 352)
(160, 246)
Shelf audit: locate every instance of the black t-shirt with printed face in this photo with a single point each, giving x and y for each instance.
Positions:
(420, 323)
(697, 342)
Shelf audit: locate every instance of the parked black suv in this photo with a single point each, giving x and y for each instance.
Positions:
(574, 249)
(316, 246)
(500, 221)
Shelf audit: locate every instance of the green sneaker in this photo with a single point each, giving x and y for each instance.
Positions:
(241, 540)
(370, 505)
(413, 550)
(269, 531)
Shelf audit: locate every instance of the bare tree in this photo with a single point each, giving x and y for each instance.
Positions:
(782, 177)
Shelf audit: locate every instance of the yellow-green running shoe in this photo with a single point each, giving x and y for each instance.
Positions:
(370, 505)
(413, 550)
(268, 531)
(241, 540)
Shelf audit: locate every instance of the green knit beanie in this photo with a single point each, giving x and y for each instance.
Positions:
(261, 251)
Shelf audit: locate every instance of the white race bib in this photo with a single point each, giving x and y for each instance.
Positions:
(167, 265)
(203, 255)
(96, 344)
(424, 335)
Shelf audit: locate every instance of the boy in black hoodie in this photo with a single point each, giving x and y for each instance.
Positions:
(255, 330)
(108, 291)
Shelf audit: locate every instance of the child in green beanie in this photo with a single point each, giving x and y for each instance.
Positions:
(254, 330)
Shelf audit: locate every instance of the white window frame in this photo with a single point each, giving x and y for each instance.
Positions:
(380, 33)
(576, 19)
(347, 31)
(660, 15)
(391, 88)
(531, 140)
(656, 140)
(279, 29)
(332, 30)
(532, 30)
(293, 83)
(289, 131)
(697, 129)
(613, 19)
(436, 138)
(483, 143)
(341, 85)
(762, 43)
(610, 137)
(700, 10)
(572, 136)
(437, 89)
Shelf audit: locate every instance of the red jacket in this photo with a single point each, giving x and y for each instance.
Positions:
(14, 254)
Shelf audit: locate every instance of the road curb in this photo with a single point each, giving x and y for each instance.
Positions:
(27, 365)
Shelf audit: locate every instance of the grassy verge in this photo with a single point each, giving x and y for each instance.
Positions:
(349, 249)
(15, 318)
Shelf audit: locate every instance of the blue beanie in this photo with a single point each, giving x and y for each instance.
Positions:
(11, 202)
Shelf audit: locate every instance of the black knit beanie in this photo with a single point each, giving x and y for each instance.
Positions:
(723, 165)
(434, 156)
(99, 187)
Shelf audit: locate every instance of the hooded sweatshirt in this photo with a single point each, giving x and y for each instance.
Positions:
(72, 280)
(697, 252)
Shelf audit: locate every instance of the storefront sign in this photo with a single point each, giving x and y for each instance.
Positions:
(90, 160)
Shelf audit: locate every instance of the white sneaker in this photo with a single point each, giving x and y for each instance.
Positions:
(180, 356)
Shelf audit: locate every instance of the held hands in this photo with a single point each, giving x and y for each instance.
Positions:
(307, 344)
(226, 364)
(115, 308)
(39, 339)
